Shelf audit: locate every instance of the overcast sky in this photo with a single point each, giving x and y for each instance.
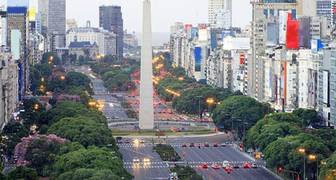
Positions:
(164, 12)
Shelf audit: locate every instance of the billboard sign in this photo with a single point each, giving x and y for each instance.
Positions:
(198, 58)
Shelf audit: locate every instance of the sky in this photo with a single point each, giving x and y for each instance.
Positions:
(164, 12)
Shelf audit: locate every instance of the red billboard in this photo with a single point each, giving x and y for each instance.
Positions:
(292, 33)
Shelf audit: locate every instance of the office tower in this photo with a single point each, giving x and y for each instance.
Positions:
(17, 21)
(324, 8)
(146, 113)
(52, 14)
(220, 11)
(263, 12)
(110, 18)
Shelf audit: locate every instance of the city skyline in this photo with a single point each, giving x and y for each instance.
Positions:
(197, 13)
(132, 13)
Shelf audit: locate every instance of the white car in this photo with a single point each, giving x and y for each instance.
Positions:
(136, 161)
(226, 164)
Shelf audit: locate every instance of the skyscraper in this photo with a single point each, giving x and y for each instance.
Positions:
(218, 9)
(262, 11)
(324, 8)
(17, 21)
(52, 15)
(110, 18)
(146, 113)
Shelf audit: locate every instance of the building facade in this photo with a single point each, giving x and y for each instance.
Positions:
(220, 13)
(110, 18)
(105, 40)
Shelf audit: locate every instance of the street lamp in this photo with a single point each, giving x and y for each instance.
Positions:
(313, 157)
(303, 151)
(36, 107)
(62, 78)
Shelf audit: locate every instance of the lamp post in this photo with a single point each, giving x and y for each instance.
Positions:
(303, 151)
(199, 107)
(210, 102)
(313, 157)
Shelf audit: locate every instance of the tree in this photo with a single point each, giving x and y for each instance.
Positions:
(51, 59)
(308, 116)
(328, 171)
(40, 153)
(14, 132)
(78, 80)
(22, 173)
(270, 128)
(84, 130)
(193, 100)
(239, 112)
(70, 109)
(90, 163)
(284, 152)
(33, 110)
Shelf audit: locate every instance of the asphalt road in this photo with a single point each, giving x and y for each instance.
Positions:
(156, 169)
(112, 106)
(194, 157)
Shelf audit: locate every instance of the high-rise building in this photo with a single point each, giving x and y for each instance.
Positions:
(324, 8)
(52, 15)
(110, 18)
(17, 24)
(219, 11)
(264, 12)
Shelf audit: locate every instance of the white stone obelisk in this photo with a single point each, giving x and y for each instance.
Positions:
(146, 112)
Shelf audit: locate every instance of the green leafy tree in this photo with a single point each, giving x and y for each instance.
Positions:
(40, 153)
(22, 173)
(270, 128)
(308, 116)
(70, 109)
(33, 110)
(193, 100)
(84, 130)
(14, 132)
(51, 59)
(328, 171)
(91, 163)
(239, 112)
(284, 152)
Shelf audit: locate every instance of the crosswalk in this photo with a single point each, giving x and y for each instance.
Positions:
(130, 145)
(194, 164)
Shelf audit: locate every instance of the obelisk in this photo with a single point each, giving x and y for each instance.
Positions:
(146, 112)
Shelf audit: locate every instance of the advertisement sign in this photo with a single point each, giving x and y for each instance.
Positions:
(198, 58)
(326, 87)
(292, 33)
(203, 35)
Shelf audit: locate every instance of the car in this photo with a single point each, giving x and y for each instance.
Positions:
(225, 164)
(126, 141)
(216, 145)
(184, 145)
(228, 169)
(136, 161)
(215, 166)
(254, 165)
(223, 145)
(236, 166)
(206, 145)
(204, 165)
(142, 141)
(192, 145)
(247, 165)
